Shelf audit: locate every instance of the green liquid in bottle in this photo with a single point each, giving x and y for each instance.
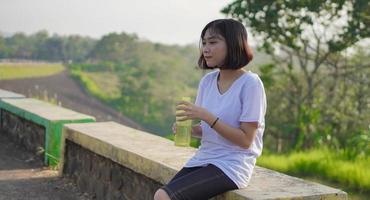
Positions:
(183, 130)
(183, 135)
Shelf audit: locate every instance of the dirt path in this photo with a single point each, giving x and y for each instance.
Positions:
(69, 93)
(23, 178)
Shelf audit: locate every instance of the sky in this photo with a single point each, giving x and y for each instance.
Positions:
(164, 21)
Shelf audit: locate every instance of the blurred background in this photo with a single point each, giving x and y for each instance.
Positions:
(126, 61)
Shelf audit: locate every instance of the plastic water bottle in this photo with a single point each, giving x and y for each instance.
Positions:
(183, 129)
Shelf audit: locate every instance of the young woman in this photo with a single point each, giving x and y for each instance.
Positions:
(231, 105)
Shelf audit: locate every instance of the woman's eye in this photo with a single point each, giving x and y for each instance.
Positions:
(209, 42)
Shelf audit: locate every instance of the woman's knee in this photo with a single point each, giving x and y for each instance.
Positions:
(161, 195)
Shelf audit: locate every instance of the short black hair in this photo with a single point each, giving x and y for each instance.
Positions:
(239, 54)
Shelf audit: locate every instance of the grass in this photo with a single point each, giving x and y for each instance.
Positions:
(104, 85)
(323, 164)
(10, 71)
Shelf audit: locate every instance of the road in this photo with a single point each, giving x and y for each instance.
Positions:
(24, 178)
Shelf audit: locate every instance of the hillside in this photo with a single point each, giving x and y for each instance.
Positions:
(71, 95)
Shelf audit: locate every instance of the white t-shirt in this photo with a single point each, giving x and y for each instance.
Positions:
(244, 101)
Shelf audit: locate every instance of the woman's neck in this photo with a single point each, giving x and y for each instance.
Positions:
(227, 75)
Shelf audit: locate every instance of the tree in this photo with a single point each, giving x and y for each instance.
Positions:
(115, 47)
(3, 49)
(38, 42)
(309, 41)
(52, 49)
(77, 48)
(19, 46)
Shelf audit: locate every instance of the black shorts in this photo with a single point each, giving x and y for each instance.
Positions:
(198, 183)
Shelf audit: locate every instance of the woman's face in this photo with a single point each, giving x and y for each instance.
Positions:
(214, 49)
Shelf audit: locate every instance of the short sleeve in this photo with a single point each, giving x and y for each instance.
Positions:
(198, 99)
(253, 102)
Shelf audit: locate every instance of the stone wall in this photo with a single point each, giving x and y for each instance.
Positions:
(104, 179)
(113, 161)
(27, 134)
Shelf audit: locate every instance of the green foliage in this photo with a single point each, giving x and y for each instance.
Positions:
(358, 145)
(116, 48)
(285, 21)
(335, 118)
(102, 66)
(317, 92)
(267, 75)
(41, 46)
(323, 163)
(90, 85)
(150, 77)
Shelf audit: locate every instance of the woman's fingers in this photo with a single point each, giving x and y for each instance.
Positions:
(188, 111)
(181, 114)
(184, 116)
(183, 107)
(183, 103)
(183, 119)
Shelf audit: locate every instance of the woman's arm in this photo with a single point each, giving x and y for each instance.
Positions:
(242, 136)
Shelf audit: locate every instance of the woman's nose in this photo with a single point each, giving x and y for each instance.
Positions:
(205, 49)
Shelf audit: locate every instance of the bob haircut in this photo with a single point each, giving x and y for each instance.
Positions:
(239, 54)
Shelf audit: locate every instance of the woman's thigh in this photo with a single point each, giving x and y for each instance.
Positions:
(184, 171)
(199, 184)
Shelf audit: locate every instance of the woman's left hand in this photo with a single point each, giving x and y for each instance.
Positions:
(190, 111)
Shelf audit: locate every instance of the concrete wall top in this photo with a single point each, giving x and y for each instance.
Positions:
(9, 94)
(158, 159)
(43, 109)
(144, 153)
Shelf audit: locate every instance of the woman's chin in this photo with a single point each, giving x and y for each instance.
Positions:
(210, 65)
